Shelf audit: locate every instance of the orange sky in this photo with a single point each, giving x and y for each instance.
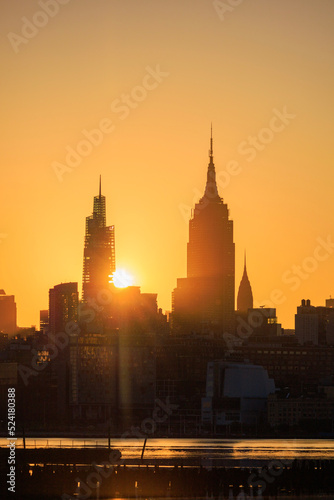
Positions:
(153, 75)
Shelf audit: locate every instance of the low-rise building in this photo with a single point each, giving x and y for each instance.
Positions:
(235, 392)
(288, 411)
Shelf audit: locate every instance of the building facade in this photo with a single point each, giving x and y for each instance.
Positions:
(99, 251)
(7, 314)
(301, 368)
(63, 306)
(314, 324)
(203, 302)
(63, 314)
(235, 392)
(289, 411)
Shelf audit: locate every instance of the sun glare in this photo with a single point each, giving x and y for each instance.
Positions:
(121, 278)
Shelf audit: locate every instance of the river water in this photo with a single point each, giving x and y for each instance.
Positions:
(221, 451)
(236, 453)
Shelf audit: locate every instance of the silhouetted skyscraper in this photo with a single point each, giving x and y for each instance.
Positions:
(63, 314)
(99, 251)
(63, 306)
(205, 299)
(7, 313)
(245, 295)
(44, 320)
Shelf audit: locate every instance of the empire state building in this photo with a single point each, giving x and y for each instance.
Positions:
(203, 302)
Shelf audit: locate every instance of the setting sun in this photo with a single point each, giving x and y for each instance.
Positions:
(121, 278)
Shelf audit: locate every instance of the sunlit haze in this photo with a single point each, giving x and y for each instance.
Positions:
(128, 90)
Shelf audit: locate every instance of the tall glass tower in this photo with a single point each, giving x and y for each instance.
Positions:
(99, 250)
(204, 301)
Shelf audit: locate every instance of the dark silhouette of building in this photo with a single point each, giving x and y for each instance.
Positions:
(113, 367)
(330, 302)
(181, 369)
(99, 251)
(235, 392)
(63, 306)
(306, 413)
(25, 358)
(245, 295)
(7, 313)
(314, 324)
(112, 377)
(43, 320)
(63, 315)
(257, 325)
(300, 368)
(133, 311)
(204, 301)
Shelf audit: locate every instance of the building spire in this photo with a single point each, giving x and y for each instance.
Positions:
(245, 268)
(211, 147)
(211, 191)
(100, 187)
(245, 294)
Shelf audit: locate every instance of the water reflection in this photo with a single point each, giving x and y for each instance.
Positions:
(185, 448)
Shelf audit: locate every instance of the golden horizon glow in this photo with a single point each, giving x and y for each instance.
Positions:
(121, 278)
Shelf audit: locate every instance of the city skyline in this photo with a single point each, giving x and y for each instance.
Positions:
(268, 96)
